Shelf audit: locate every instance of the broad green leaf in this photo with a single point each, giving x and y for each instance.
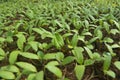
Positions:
(117, 64)
(29, 55)
(10, 68)
(86, 24)
(110, 49)
(86, 33)
(49, 56)
(40, 54)
(53, 63)
(89, 52)
(90, 46)
(96, 55)
(2, 53)
(1, 58)
(39, 76)
(108, 40)
(117, 24)
(58, 40)
(54, 70)
(115, 46)
(74, 40)
(2, 40)
(9, 39)
(44, 33)
(6, 75)
(31, 38)
(31, 77)
(88, 62)
(13, 56)
(81, 38)
(66, 35)
(59, 56)
(77, 52)
(30, 13)
(58, 23)
(38, 30)
(107, 62)
(20, 43)
(27, 66)
(68, 60)
(21, 40)
(34, 45)
(92, 17)
(111, 73)
(92, 40)
(106, 26)
(99, 34)
(114, 31)
(79, 71)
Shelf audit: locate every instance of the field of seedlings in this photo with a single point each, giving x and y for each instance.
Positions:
(59, 39)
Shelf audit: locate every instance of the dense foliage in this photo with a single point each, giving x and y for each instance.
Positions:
(60, 40)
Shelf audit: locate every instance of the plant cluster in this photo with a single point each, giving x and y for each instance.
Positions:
(59, 40)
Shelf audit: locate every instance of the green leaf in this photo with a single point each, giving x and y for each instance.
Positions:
(90, 46)
(89, 52)
(106, 26)
(117, 64)
(58, 23)
(30, 13)
(40, 54)
(117, 24)
(10, 68)
(81, 38)
(38, 30)
(44, 33)
(92, 40)
(59, 56)
(96, 55)
(107, 62)
(110, 49)
(77, 52)
(29, 55)
(26, 66)
(86, 24)
(6, 75)
(21, 40)
(49, 56)
(79, 71)
(108, 40)
(31, 77)
(54, 70)
(2, 40)
(68, 60)
(99, 34)
(88, 62)
(13, 56)
(114, 31)
(53, 63)
(1, 58)
(111, 73)
(34, 45)
(39, 76)
(66, 35)
(86, 33)
(115, 46)
(31, 38)
(58, 41)
(74, 40)
(2, 53)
